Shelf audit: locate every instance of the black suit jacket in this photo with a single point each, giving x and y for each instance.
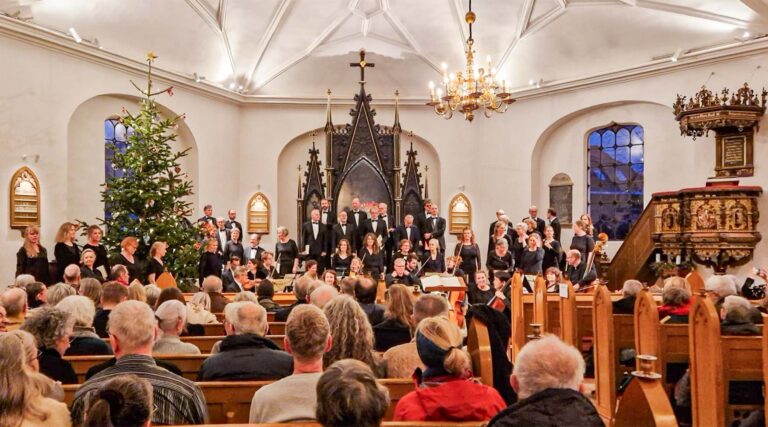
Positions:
(229, 224)
(316, 244)
(577, 275)
(401, 233)
(351, 218)
(381, 229)
(420, 221)
(555, 224)
(437, 228)
(350, 234)
(220, 251)
(208, 219)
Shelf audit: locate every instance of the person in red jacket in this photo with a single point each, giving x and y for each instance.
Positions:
(445, 391)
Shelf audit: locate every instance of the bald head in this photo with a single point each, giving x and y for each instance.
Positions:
(245, 318)
(320, 296)
(429, 305)
(15, 301)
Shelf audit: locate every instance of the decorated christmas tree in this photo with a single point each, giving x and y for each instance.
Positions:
(149, 199)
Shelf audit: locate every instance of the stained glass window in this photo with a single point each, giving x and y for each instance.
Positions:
(615, 178)
(115, 138)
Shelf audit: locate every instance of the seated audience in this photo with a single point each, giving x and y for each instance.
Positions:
(37, 294)
(445, 390)
(246, 296)
(120, 274)
(133, 329)
(14, 300)
(676, 303)
(548, 377)
(112, 294)
(402, 360)
(245, 354)
(136, 292)
(171, 319)
(718, 287)
(300, 291)
(72, 276)
(348, 395)
(22, 280)
(199, 310)
(48, 387)
(307, 339)
(626, 305)
(676, 281)
(265, 292)
(352, 334)
(52, 329)
(736, 315)
(399, 275)
(22, 393)
(153, 294)
(213, 286)
(171, 294)
(365, 294)
(58, 292)
(480, 292)
(554, 278)
(320, 296)
(85, 341)
(347, 286)
(397, 325)
(124, 401)
(91, 288)
(240, 281)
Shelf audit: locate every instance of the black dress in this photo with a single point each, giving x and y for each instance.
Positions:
(477, 296)
(134, 269)
(341, 265)
(101, 256)
(552, 256)
(584, 244)
(155, 267)
(65, 255)
(285, 254)
(37, 266)
(429, 265)
(210, 265)
(517, 249)
(470, 259)
(492, 242)
(86, 272)
(233, 249)
(496, 262)
(373, 263)
(54, 367)
(531, 261)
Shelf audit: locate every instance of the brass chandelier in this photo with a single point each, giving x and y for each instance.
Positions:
(471, 90)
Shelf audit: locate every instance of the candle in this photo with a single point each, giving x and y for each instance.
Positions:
(658, 257)
(677, 260)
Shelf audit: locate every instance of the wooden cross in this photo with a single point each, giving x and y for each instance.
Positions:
(362, 64)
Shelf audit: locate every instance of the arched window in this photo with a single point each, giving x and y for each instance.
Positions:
(615, 178)
(459, 214)
(115, 140)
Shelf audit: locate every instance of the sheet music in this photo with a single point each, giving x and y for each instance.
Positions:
(430, 281)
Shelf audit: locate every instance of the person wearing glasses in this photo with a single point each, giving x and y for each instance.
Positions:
(52, 329)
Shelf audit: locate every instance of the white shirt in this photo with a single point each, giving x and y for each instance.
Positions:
(408, 232)
(324, 217)
(315, 229)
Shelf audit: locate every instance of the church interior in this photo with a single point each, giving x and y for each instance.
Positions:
(632, 130)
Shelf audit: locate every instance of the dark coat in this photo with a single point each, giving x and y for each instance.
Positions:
(218, 301)
(556, 227)
(88, 346)
(375, 313)
(36, 266)
(100, 320)
(552, 407)
(540, 224)
(246, 357)
(316, 244)
(625, 305)
(362, 216)
(437, 228)
(402, 234)
(577, 276)
(269, 305)
(499, 331)
(282, 314)
(350, 234)
(56, 368)
(390, 333)
(210, 265)
(381, 229)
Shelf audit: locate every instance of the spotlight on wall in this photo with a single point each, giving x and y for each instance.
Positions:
(675, 56)
(746, 35)
(74, 35)
(33, 157)
(232, 86)
(96, 43)
(198, 78)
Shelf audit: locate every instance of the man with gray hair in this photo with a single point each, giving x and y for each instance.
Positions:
(15, 302)
(72, 275)
(22, 280)
(246, 354)
(214, 287)
(132, 331)
(320, 296)
(300, 290)
(548, 377)
(626, 305)
(171, 319)
(403, 359)
(737, 315)
(718, 287)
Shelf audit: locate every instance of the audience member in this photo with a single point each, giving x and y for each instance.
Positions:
(22, 280)
(365, 294)
(52, 329)
(171, 319)
(397, 326)
(676, 281)
(133, 329)
(171, 294)
(245, 354)
(320, 296)
(112, 294)
(58, 292)
(136, 292)
(213, 286)
(2, 319)
(736, 315)
(72, 276)
(718, 287)
(120, 274)
(676, 303)
(124, 401)
(48, 387)
(85, 341)
(14, 301)
(348, 395)
(399, 275)
(23, 400)
(265, 292)
(548, 377)
(626, 305)
(37, 294)
(445, 390)
(246, 296)
(91, 288)
(307, 339)
(87, 268)
(403, 360)
(199, 310)
(352, 334)
(153, 294)
(300, 291)
(347, 286)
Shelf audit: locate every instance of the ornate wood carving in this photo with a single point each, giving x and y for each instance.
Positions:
(258, 214)
(412, 189)
(459, 214)
(24, 199)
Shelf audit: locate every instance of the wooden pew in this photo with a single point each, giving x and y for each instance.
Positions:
(611, 333)
(696, 282)
(282, 298)
(479, 347)
(645, 402)
(230, 401)
(517, 341)
(668, 342)
(567, 315)
(716, 361)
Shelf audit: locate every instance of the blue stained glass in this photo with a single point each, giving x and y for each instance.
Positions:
(608, 157)
(109, 130)
(594, 139)
(638, 135)
(120, 132)
(622, 137)
(622, 155)
(609, 138)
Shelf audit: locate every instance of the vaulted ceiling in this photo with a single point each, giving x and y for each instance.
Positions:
(298, 48)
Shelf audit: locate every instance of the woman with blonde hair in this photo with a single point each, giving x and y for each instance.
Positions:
(91, 288)
(371, 257)
(433, 260)
(87, 268)
(352, 334)
(136, 292)
(589, 227)
(397, 326)
(32, 258)
(129, 246)
(210, 262)
(66, 250)
(22, 401)
(48, 387)
(156, 265)
(445, 390)
(199, 309)
(355, 267)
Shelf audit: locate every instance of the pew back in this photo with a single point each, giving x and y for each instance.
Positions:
(479, 346)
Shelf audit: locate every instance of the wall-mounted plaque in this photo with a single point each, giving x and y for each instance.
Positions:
(561, 198)
(258, 214)
(24, 199)
(459, 214)
(734, 154)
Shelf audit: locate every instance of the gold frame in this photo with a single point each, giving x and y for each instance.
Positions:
(15, 221)
(258, 221)
(458, 220)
